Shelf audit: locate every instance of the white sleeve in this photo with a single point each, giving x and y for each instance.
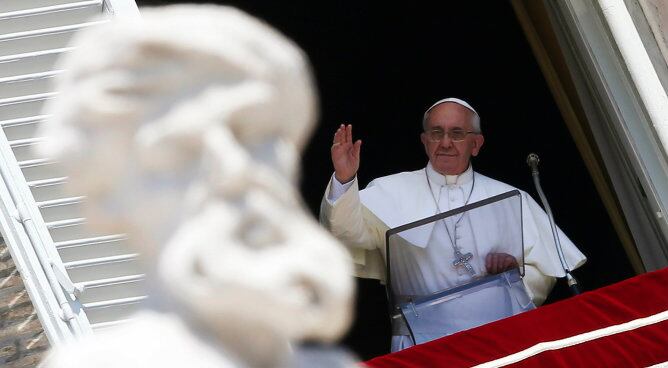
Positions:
(538, 285)
(347, 219)
(357, 227)
(336, 189)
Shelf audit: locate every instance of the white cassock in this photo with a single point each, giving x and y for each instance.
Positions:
(422, 265)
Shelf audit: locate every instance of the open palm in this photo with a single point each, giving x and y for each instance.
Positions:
(345, 154)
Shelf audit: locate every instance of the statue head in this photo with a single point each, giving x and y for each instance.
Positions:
(184, 130)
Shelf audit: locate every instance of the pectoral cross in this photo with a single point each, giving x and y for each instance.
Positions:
(462, 260)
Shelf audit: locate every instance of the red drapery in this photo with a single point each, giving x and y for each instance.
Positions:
(628, 321)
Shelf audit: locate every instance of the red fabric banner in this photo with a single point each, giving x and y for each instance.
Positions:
(626, 318)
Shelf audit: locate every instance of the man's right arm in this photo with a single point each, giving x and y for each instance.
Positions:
(341, 210)
(343, 214)
(337, 189)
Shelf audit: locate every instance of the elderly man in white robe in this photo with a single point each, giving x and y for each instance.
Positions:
(451, 136)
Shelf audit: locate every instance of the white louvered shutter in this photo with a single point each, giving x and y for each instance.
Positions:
(55, 253)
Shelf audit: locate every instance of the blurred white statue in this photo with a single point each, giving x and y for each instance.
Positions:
(184, 131)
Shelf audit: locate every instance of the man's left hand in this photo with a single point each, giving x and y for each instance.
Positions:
(499, 262)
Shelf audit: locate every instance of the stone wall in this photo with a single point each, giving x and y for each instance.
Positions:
(22, 339)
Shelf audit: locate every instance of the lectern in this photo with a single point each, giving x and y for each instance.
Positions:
(468, 295)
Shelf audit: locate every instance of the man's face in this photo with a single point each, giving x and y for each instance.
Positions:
(448, 157)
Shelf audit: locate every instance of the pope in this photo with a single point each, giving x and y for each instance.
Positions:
(451, 136)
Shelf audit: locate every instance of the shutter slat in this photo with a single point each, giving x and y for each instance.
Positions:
(89, 241)
(114, 302)
(35, 162)
(113, 280)
(60, 202)
(27, 84)
(113, 313)
(49, 17)
(101, 261)
(21, 121)
(133, 288)
(19, 5)
(49, 9)
(103, 270)
(33, 35)
(23, 106)
(65, 223)
(34, 40)
(30, 62)
(100, 327)
(47, 182)
(94, 250)
(26, 142)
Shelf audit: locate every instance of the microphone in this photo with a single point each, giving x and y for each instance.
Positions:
(532, 161)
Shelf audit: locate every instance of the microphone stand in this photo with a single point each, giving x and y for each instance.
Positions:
(532, 161)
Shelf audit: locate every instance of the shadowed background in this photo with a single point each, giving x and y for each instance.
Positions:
(379, 66)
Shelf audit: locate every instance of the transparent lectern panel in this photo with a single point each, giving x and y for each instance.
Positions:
(483, 301)
(458, 269)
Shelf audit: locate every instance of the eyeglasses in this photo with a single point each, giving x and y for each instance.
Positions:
(456, 135)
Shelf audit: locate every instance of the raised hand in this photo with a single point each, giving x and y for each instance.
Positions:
(345, 154)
